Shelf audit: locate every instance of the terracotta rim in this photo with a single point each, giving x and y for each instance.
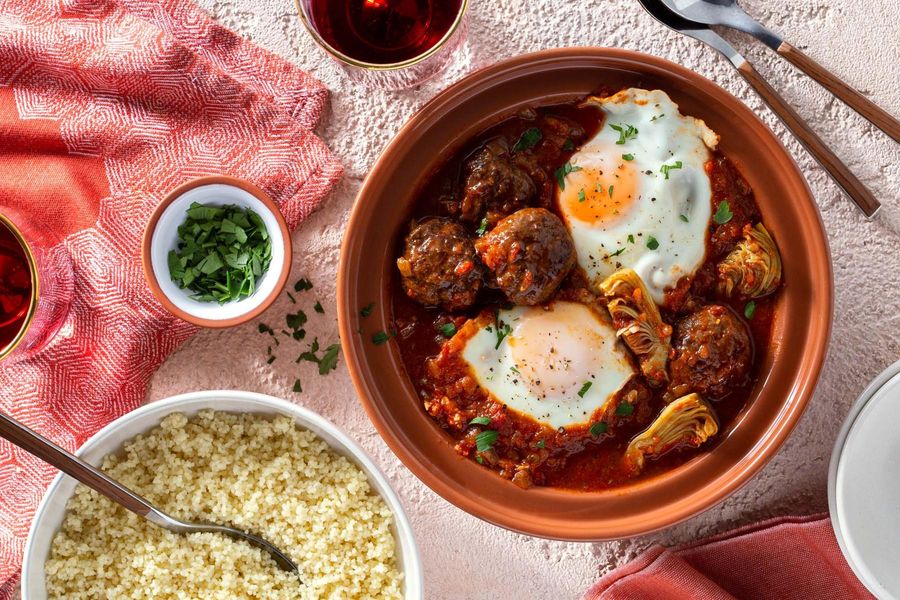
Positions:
(147, 240)
(727, 472)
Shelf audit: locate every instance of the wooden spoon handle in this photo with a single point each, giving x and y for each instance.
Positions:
(865, 107)
(812, 142)
(71, 465)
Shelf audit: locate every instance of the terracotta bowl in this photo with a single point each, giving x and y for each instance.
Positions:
(788, 376)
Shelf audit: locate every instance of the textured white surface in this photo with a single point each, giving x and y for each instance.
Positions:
(463, 557)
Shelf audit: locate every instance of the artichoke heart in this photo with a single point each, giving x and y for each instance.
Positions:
(688, 421)
(638, 323)
(753, 268)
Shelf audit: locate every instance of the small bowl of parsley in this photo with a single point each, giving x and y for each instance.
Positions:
(217, 252)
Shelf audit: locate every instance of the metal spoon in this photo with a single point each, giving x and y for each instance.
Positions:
(841, 174)
(728, 14)
(97, 480)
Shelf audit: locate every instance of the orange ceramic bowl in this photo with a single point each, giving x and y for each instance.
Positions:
(788, 376)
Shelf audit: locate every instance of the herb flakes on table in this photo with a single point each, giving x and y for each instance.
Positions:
(222, 252)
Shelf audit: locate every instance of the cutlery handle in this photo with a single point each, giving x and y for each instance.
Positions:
(71, 465)
(812, 142)
(865, 107)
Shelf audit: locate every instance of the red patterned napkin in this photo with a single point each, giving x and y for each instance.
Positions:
(793, 558)
(105, 106)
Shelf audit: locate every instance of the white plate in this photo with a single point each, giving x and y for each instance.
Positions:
(864, 486)
(52, 508)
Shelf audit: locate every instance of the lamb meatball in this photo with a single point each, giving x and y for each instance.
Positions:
(494, 185)
(713, 353)
(439, 266)
(530, 252)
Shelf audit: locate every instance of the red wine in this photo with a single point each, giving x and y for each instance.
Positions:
(383, 31)
(15, 286)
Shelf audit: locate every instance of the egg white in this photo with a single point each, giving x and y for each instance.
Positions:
(541, 367)
(623, 209)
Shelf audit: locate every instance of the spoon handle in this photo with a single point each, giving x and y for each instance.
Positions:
(71, 465)
(812, 142)
(865, 107)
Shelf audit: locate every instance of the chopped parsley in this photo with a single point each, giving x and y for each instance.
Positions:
(263, 328)
(617, 252)
(540, 445)
(624, 409)
(628, 157)
(448, 330)
(318, 308)
(568, 145)
(366, 310)
(222, 252)
(626, 132)
(296, 321)
(562, 172)
(529, 139)
(302, 285)
(297, 387)
(502, 330)
(750, 309)
(683, 218)
(666, 168)
(655, 117)
(480, 421)
(482, 227)
(598, 428)
(380, 338)
(610, 191)
(584, 388)
(328, 362)
(484, 441)
(581, 195)
(630, 238)
(723, 213)
(652, 243)
(291, 298)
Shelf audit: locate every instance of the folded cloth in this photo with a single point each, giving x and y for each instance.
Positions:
(105, 106)
(779, 559)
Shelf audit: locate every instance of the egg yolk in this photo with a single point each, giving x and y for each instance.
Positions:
(600, 193)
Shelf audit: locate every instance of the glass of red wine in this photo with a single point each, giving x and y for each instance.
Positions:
(35, 288)
(392, 44)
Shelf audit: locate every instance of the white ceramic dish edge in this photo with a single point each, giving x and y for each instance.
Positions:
(51, 510)
(861, 573)
(165, 238)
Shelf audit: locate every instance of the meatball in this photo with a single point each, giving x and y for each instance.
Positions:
(530, 253)
(713, 353)
(439, 266)
(494, 185)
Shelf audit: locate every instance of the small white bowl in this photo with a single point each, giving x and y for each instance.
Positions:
(50, 512)
(161, 236)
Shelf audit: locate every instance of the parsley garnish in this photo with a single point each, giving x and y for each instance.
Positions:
(683, 218)
(291, 298)
(568, 145)
(263, 328)
(297, 387)
(630, 238)
(480, 421)
(529, 138)
(598, 428)
(657, 117)
(380, 338)
(652, 243)
(329, 360)
(723, 213)
(366, 310)
(302, 285)
(617, 252)
(222, 252)
(296, 321)
(628, 157)
(318, 308)
(581, 196)
(750, 309)
(503, 329)
(562, 172)
(624, 409)
(626, 132)
(482, 227)
(610, 191)
(484, 441)
(666, 168)
(448, 330)
(540, 444)
(584, 388)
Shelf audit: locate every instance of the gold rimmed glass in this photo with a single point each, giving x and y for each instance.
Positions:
(394, 75)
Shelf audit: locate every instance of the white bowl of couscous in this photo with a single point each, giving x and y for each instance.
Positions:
(241, 458)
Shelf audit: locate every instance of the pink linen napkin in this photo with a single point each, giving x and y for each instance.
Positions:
(791, 558)
(105, 106)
